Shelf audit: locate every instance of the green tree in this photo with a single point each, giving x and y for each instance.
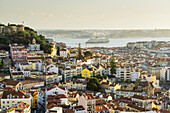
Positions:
(79, 52)
(21, 34)
(105, 77)
(48, 48)
(24, 37)
(99, 76)
(95, 80)
(93, 84)
(58, 50)
(112, 67)
(1, 64)
(88, 53)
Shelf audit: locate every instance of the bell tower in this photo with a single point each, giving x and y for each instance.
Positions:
(33, 41)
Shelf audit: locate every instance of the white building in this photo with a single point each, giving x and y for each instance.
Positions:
(52, 68)
(107, 70)
(55, 110)
(73, 54)
(127, 93)
(50, 78)
(165, 74)
(26, 72)
(134, 75)
(123, 73)
(10, 97)
(4, 54)
(69, 72)
(35, 65)
(56, 90)
(63, 53)
(59, 92)
(33, 46)
(130, 45)
(79, 109)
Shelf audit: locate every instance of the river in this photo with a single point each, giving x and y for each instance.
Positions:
(114, 42)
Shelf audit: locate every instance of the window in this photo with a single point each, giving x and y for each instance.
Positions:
(3, 102)
(7, 102)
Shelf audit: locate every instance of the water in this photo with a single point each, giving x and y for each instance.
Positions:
(114, 42)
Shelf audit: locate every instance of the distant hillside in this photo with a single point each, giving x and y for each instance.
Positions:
(106, 33)
(22, 37)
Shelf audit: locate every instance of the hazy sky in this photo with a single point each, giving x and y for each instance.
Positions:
(75, 14)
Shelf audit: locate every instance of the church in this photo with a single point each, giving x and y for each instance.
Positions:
(33, 46)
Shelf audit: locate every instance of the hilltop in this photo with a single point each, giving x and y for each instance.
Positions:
(13, 33)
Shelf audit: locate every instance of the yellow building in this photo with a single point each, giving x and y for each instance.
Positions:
(114, 87)
(153, 78)
(155, 71)
(4, 76)
(54, 51)
(156, 105)
(34, 103)
(89, 72)
(33, 65)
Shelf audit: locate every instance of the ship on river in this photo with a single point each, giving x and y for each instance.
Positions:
(98, 40)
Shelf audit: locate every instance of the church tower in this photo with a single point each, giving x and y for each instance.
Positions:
(33, 41)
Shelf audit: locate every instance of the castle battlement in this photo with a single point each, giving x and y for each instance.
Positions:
(11, 28)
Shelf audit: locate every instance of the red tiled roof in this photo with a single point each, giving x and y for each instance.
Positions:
(100, 108)
(15, 94)
(17, 73)
(51, 105)
(69, 111)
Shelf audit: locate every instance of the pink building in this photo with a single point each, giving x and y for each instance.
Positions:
(15, 46)
(18, 52)
(88, 102)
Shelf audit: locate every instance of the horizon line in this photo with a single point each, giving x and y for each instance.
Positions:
(102, 29)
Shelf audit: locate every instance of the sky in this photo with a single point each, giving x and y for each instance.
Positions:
(87, 14)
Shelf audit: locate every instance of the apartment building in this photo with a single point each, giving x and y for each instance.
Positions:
(10, 97)
(18, 52)
(123, 73)
(165, 74)
(88, 102)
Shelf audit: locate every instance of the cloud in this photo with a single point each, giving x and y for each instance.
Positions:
(70, 15)
(50, 15)
(31, 13)
(42, 14)
(19, 9)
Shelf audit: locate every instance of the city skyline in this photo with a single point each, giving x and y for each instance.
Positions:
(79, 14)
